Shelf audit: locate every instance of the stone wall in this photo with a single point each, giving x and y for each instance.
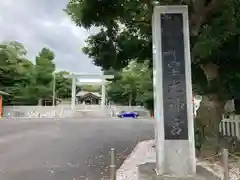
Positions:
(31, 111)
(64, 110)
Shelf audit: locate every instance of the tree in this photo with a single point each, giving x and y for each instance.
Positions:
(15, 73)
(44, 69)
(216, 52)
(126, 35)
(90, 88)
(26, 82)
(126, 27)
(134, 87)
(17, 47)
(63, 85)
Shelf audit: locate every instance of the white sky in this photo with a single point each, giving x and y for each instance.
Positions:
(90, 81)
(43, 23)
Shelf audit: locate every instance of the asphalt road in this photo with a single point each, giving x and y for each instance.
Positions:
(67, 149)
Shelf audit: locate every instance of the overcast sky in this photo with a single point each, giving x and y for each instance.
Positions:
(42, 23)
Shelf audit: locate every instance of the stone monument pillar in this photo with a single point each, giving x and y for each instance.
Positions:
(173, 92)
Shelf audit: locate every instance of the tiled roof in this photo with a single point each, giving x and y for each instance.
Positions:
(83, 93)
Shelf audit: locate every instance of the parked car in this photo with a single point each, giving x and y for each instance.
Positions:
(131, 114)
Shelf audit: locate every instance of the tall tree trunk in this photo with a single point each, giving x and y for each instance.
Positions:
(210, 111)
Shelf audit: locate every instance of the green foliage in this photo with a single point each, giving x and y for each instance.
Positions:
(218, 43)
(90, 88)
(27, 82)
(127, 46)
(217, 31)
(134, 86)
(63, 85)
(44, 69)
(125, 33)
(131, 36)
(82, 14)
(102, 48)
(15, 71)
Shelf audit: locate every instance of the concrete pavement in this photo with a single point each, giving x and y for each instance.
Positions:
(66, 149)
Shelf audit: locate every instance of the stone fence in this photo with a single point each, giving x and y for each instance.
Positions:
(65, 110)
(32, 111)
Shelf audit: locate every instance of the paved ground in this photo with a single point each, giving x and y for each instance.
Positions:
(145, 155)
(66, 149)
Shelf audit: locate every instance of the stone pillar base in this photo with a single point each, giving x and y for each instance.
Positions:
(147, 172)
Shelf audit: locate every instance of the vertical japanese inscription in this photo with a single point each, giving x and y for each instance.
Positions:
(174, 77)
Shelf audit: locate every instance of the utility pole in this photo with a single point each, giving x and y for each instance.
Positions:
(103, 97)
(130, 100)
(54, 89)
(73, 99)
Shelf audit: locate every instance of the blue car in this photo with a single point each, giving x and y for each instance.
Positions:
(124, 114)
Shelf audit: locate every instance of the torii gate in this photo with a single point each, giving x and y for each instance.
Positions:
(102, 79)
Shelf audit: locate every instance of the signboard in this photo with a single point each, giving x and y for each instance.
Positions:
(174, 77)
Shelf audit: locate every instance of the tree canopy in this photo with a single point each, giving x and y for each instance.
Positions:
(27, 82)
(126, 35)
(134, 86)
(90, 88)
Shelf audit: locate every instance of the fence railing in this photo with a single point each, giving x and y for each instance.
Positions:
(230, 126)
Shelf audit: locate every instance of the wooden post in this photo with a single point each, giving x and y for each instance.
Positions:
(113, 165)
(225, 164)
(237, 129)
